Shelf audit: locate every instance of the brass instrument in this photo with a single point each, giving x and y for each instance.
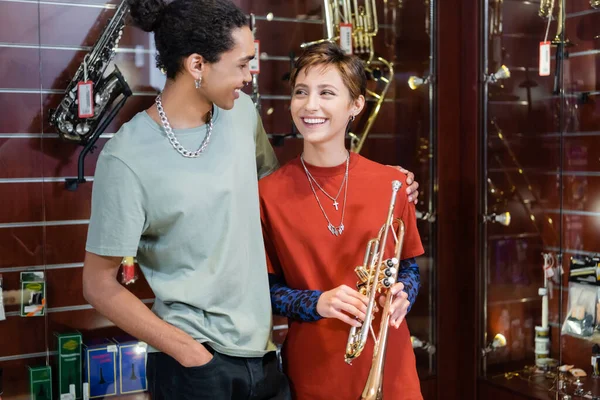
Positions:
(546, 7)
(376, 275)
(547, 11)
(560, 26)
(496, 18)
(362, 15)
(376, 74)
(595, 3)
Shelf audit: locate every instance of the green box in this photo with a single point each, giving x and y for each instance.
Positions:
(40, 383)
(70, 369)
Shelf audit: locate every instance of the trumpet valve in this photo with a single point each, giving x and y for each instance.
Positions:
(387, 282)
(362, 273)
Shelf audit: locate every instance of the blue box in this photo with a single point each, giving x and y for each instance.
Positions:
(133, 355)
(101, 361)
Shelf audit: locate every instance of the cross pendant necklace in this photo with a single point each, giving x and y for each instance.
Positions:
(336, 204)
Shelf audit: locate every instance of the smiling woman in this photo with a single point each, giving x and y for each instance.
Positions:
(311, 253)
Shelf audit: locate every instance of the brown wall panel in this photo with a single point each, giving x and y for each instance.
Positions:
(279, 121)
(19, 68)
(270, 79)
(23, 335)
(21, 113)
(90, 22)
(64, 204)
(21, 202)
(21, 246)
(19, 23)
(65, 243)
(20, 157)
(61, 157)
(429, 389)
(582, 29)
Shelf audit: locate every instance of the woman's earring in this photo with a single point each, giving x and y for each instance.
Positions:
(352, 118)
(199, 83)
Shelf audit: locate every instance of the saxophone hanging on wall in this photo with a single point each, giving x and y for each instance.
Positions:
(362, 17)
(72, 122)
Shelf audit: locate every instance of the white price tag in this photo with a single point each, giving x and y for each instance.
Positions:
(254, 64)
(85, 100)
(346, 38)
(544, 58)
(111, 348)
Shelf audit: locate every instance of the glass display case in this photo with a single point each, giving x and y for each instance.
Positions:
(539, 203)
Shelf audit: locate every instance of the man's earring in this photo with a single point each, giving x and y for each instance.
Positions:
(199, 83)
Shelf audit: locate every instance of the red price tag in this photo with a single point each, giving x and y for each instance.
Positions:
(544, 58)
(346, 38)
(85, 99)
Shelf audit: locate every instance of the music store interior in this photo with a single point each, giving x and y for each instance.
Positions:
(492, 104)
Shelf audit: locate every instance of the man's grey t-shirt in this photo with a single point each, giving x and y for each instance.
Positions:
(194, 224)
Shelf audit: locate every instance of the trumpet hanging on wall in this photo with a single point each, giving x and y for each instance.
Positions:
(502, 73)
(90, 101)
(414, 82)
(354, 25)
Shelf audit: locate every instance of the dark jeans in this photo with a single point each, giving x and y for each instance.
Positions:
(223, 378)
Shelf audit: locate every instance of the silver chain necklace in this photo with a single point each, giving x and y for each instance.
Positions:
(171, 136)
(335, 230)
(335, 203)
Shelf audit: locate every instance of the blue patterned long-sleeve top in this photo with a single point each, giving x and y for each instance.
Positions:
(302, 304)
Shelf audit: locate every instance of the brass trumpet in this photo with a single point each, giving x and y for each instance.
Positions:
(595, 3)
(376, 275)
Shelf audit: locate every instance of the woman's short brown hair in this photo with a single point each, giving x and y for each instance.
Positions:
(351, 68)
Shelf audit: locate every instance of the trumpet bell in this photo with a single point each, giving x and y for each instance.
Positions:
(414, 82)
(502, 73)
